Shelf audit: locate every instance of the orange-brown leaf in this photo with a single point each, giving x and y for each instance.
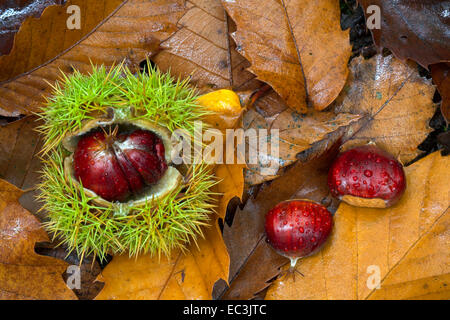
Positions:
(231, 185)
(296, 46)
(23, 273)
(201, 49)
(131, 33)
(297, 133)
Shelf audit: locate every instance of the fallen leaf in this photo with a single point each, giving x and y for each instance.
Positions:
(295, 46)
(183, 275)
(89, 269)
(13, 13)
(253, 262)
(231, 185)
(405, 243)
(20, 144)
(397, 102)
(201, 48)
(131, 33)
(441, 77)
(41, 40)
(297, 133)
(416, 30)
(23, 273)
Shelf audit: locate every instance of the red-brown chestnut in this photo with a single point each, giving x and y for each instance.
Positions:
(367, 176)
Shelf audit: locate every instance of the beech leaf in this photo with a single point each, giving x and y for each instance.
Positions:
(416, 30)
(296, 46)
(112, 41)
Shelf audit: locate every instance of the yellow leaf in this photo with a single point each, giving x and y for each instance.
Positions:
(396, 100)
(23, 273)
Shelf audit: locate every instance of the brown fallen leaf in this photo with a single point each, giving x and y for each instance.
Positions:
(201, 48)
(416, 30)
(131, 33)
(297, 133)
(40, 40)
(441, 77)
(11, 21)
(89, 269)
(23, 273)
(397, 102)
(20, 144)
(421, 276)
(404, 243)
(253, 262)
(295, 46)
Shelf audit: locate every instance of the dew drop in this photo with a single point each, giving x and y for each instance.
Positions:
(368, 173)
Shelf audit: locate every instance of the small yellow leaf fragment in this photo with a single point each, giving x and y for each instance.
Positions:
(225, 106)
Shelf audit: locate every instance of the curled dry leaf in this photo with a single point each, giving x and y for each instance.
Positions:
(416, 30)
(405, 243)
(297, 133)
(132, 32)
(397, 102)
(296, 46)
(23, 273)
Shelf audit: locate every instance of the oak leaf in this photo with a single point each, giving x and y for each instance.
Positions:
(296, 46)
(23, 273)
(405, 244)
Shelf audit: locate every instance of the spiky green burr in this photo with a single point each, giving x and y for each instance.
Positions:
(91, 227)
